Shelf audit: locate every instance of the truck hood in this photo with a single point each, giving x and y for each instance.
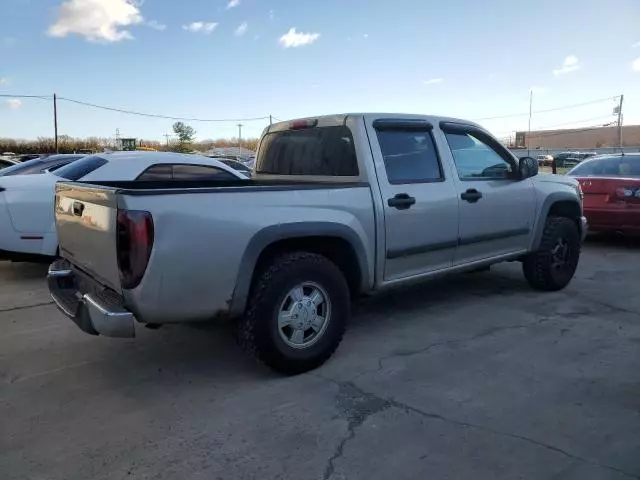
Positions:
(557, 179)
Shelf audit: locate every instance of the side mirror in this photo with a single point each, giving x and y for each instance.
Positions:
(528, 167)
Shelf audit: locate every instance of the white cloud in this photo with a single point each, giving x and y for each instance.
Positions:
(297, 39)
(97, 20)
(272, 15)
(242, 29)
(233, 4)
(570, 64)
(14, 103)
(365, 36)
(433, 81)
(3, 81)
(204, 27)
(537, 89)
(635, 65)
(635, 45)
(156, 25)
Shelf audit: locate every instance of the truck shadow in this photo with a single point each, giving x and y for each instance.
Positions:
(607, 241)
(180, 355)
(17, 271)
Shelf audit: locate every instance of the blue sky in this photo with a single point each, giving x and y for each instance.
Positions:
(288, 58)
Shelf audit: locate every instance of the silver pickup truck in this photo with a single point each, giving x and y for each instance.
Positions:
(338, 206)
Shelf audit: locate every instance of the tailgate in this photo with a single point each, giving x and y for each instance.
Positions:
(86, 224)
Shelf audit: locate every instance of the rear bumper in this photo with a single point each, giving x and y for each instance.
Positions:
(613, 220)
(95, 310)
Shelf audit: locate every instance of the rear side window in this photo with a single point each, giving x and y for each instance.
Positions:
(410, 156)
(155, 173)
(200, 172)
(325, 151)
(626, 166)
(78, 169)
(166, 171)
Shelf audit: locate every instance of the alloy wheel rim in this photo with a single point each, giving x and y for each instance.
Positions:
(303, 315)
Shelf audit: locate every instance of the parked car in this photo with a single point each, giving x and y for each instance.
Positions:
(40, 165)
(339, 206)
(611, 186)
(26, 201)
(6, 162)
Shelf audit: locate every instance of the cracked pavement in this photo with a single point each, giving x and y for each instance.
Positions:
(474, 377)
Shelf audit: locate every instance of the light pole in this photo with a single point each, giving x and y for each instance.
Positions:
(529, 131)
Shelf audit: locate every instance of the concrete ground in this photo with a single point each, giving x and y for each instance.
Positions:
(475, 377)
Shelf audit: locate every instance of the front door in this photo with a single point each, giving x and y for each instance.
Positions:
(497, 209)
(420, 204)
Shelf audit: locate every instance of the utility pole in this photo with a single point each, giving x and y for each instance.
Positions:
(117, 138)
(240, 139)
(166, 135)
(620, 122)
(529, 131)
(55, 120)
(270, 120)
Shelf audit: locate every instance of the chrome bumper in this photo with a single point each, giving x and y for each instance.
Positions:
(584, 228)
(97, 312)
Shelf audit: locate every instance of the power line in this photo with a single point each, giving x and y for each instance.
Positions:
(548, 127)
(167, 117)
(41, 97)
(546, 110)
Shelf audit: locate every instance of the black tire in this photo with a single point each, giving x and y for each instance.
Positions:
(542, 269)
(257, 331)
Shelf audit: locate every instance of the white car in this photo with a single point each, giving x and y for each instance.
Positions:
(27, 226)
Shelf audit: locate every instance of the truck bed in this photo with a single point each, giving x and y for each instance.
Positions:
(207, 235)
(226, 186)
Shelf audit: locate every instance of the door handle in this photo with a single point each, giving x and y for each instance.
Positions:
(402, 201)
(78, 208)
(472, 195)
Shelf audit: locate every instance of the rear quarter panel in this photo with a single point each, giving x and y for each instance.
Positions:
(201, 240)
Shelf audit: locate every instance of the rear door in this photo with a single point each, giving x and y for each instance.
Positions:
(420, 205)
(497, 209)
(86, 224)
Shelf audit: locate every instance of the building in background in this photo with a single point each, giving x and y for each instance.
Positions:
(598, 137)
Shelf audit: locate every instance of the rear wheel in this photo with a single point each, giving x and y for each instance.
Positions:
(553, 265)
(297, 313)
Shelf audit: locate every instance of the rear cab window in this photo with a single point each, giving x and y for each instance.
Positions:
(319, 151)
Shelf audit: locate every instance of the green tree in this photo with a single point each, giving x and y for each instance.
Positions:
(186, 135)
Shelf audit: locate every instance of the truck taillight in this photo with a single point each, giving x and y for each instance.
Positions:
(135, 242)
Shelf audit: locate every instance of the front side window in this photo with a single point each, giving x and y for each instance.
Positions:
(410, 156)
(475, 159)
(323, 151)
